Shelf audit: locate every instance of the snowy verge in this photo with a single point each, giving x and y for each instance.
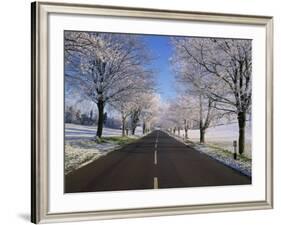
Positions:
(242, 164)
(222, 136)
(76, 131)
(79, 153)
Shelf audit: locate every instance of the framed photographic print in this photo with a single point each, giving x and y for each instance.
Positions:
(148, 112)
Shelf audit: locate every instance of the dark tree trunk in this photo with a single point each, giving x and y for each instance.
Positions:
(100, 105)
(201, 127)
(143, 128)
(179, 131)
(185, 129)
(134, 120)
(123, 126)
(242, 123)
(185, 133)
(133, 130)
(202, 135)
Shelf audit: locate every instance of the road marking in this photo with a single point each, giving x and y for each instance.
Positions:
(155, 183)
(156, 141)
(155, 157)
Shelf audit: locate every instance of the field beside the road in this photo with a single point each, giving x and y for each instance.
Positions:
(222, 136)
(81, 147)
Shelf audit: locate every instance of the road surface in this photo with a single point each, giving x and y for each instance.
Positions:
(154, 161)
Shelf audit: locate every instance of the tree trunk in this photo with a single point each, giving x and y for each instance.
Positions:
(100, 105)
(134, 120)
(185, 133)
(133, 130)
(242, 123)
(185, 129)
(201, 127)
(179, 131)
(143, 128)
(123, 125)
(202, 135)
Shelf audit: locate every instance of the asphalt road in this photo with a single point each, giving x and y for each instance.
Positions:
(154, 161)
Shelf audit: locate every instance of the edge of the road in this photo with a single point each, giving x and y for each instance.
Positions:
(106, 153)
(201, 152)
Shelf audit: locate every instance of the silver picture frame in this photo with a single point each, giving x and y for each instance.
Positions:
(39, 151)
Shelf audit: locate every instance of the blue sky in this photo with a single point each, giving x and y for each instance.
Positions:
(162, 51)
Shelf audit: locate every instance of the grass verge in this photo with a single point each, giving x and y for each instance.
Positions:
(242, 163)
(227, 153)
(116, 140)
(81, 152)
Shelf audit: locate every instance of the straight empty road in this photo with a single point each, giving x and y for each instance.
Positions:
(154, 161)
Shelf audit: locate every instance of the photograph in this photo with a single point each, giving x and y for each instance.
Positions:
(150, 111)
(141, 112)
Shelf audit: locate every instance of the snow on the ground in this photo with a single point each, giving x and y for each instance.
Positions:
(242, 164)
(75, 157)
(223, 136)
(79, 152)
(76, 131)
(80, 147)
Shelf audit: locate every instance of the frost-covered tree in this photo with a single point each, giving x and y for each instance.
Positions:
(225, 69)
(194, 100)
(150, 107)
(189, 111)
(171, 116)
(135, 118)
(138, 107)
(105, 67)
(69, 115)
(125, 108)
(75, 44)
(186, 112)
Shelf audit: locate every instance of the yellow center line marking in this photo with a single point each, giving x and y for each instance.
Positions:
(155, 183)
(155, 157)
